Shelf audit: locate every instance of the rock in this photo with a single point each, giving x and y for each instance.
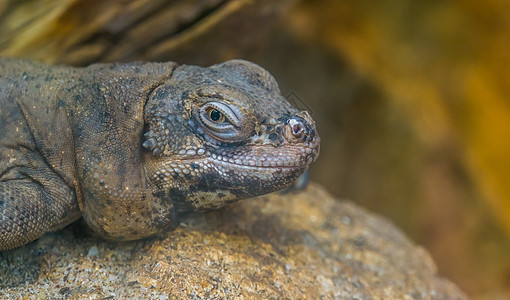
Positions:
(302, 245)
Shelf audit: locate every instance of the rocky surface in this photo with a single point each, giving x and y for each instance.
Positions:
(295, 245)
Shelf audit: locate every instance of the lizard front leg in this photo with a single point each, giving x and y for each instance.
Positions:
(33, 202)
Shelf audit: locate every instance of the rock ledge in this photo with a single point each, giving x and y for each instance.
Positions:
(304, 245)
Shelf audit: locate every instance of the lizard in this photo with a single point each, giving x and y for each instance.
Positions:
(134, 147)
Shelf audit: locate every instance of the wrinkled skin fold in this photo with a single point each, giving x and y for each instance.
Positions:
(133, 147)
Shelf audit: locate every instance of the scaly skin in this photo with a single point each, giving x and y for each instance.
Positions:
(134, 147)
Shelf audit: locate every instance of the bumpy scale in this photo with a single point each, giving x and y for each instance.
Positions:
(134, 147)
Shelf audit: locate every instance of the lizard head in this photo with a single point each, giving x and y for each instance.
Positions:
(219, 134)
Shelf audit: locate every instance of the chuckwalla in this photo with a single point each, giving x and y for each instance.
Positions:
(133, 147)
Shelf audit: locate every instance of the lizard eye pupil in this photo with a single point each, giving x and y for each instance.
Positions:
(216, 115)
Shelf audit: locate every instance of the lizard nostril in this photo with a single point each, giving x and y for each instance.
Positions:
(298, 130)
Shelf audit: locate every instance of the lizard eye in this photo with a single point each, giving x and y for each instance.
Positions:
(218, 116)
(223, 121)
(215, 115)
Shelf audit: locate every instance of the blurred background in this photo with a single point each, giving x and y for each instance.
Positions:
(411, 97)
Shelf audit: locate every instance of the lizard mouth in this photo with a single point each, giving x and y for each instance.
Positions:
(260, 168)
(269, 157)
(248, 162)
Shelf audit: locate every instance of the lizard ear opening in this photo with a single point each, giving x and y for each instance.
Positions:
(155, 133)
(158, 118)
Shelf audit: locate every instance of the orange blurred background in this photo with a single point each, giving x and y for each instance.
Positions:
(413, 105)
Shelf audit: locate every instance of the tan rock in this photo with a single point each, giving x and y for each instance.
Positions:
(295, 246)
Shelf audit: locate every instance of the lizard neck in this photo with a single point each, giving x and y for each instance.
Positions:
(108, 126)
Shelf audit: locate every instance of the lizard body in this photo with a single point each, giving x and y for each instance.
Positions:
(133, 147)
